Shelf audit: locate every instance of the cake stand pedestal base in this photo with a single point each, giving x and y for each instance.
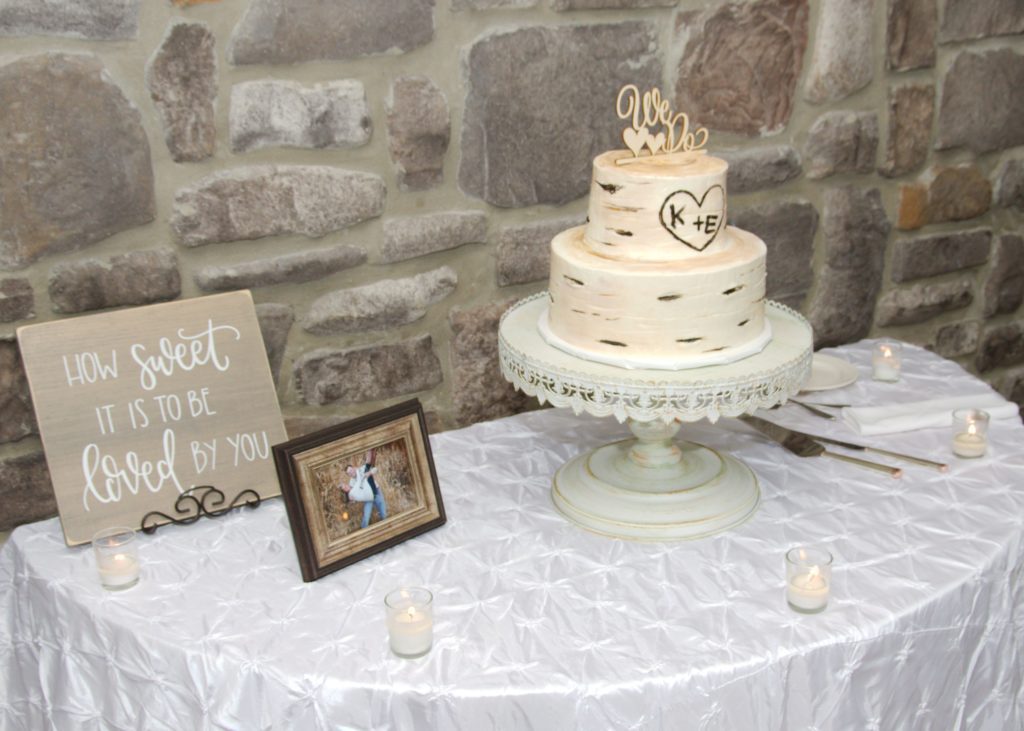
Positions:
(653, 489)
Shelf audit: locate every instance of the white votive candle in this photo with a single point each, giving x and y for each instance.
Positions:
(117, 558)
(969, 429)
(886, 361)
(410, 619)
(808, 579)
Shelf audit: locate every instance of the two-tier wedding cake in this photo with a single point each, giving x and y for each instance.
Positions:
(655, 278)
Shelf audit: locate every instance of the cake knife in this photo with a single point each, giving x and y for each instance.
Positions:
(804, 446)
(940, 466)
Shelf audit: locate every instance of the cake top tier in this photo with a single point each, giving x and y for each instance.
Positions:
(656, 208)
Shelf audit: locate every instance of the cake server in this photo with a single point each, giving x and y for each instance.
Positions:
(804, 446)
(940, 466)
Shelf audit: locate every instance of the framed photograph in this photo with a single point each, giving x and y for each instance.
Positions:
(357, 488)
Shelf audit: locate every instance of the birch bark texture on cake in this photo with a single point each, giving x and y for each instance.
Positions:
(655, 278)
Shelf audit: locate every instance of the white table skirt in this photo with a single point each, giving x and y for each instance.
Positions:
(541, 625)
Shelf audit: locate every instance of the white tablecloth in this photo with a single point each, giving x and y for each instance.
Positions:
(541, 625)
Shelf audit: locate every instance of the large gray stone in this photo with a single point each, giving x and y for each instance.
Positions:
(491, 4)
(843, 60)
(300, 426)
(135, 278)
(294, 31)
(275, 323)
(928, 256)
(524, 252)
(787, 229)
(958, 339)
(761, 167)
(383, 304)
(76, 166)
(841, 142)
(945, 194)
(922, 302)
(541, 106)
(17, 419)
(481, 393)
(354, 375)
(17, 300)
(855, 230)
(95, 20)
(714, 80)
(1009, 185)
(274, 113)
(419, 128)
(1013, 388)
(266, 200)
(26, 494)
(983, 102)
(560, 5)
(302, 267)
(911, 111)
(964, 20)
(182, 81)
(1001, 346)
(1004, 288)
(406, 237)
(912, 25)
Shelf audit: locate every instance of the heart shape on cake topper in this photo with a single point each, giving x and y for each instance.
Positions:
(655, 142)
(694, 221)
(635, 139)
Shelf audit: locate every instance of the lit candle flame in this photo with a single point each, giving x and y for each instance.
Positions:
(972, 429)
(886, 351)
(411, 611)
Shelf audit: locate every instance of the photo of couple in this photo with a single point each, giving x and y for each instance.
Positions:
(363, 489)
(359, 484)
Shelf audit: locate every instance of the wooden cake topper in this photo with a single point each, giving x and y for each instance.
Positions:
(654, 125)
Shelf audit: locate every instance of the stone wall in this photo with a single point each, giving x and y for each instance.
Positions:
(385, 175)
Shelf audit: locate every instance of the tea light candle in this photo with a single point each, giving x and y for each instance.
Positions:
(118, 571)
(410, 621)
(886, 361)
(808, 579)
(117, 558)
(969, 429)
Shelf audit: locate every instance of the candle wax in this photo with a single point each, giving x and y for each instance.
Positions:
(807, 592)
(885, 371)
(119, 570)
(966, 444)
(412, 632)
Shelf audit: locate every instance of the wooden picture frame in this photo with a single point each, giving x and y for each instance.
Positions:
(322, 475)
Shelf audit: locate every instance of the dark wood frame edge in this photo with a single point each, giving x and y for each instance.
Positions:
(288, 480)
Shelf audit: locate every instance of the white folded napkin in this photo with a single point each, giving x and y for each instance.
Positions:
(868, 420)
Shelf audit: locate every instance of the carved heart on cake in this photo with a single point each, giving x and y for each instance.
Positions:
(694, 221)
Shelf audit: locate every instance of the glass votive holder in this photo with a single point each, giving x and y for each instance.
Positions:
(410, 615)
(808, 579)
(886, 361)
(970, 427)
(117, 558)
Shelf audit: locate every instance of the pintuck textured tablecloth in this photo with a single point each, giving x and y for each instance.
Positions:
(540, 625)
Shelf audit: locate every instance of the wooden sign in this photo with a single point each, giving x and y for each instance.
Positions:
(137, 406)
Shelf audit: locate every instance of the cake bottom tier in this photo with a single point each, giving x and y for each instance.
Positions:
(669, 315)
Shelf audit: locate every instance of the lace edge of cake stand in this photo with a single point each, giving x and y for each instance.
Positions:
(645, 401)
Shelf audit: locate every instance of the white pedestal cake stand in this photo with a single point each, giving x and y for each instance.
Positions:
(652, 488)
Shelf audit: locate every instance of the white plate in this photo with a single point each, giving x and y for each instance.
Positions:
(828, 372)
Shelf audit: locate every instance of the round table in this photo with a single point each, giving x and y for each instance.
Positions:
(541, 625)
